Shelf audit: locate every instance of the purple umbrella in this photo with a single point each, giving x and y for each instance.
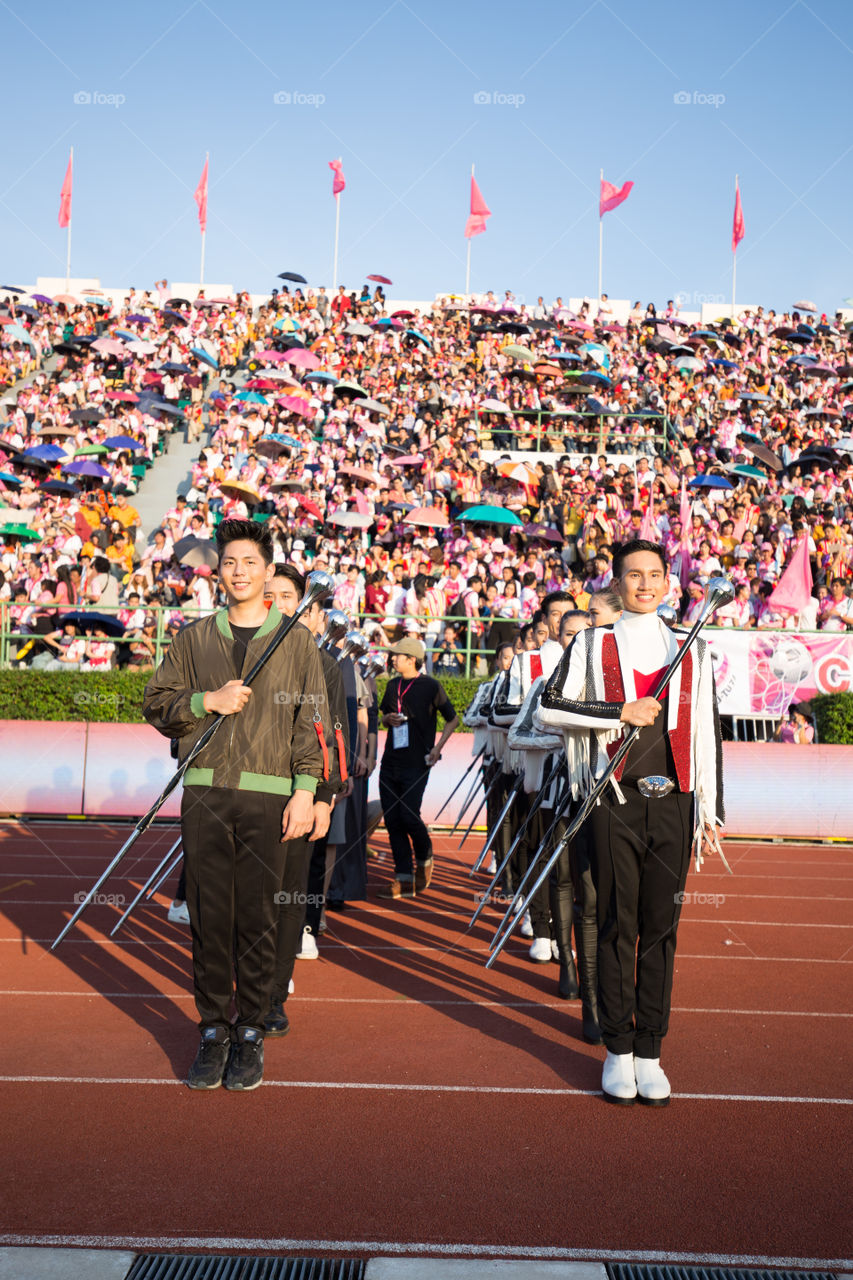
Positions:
(41, 297)
(87, 469)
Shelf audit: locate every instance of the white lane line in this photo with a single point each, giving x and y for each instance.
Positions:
(415, 1001)
(385, 1087)
(376, 1248)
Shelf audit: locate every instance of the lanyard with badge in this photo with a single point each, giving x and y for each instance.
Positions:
(400, 732)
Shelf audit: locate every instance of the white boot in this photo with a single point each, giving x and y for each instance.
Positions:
(617, 1079)
(540, 951)
(653, 1088)
(526, 929)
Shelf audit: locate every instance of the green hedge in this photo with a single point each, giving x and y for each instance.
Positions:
(113, 697)
(833, 713)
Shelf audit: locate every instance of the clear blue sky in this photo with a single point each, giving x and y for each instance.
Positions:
(393, 86)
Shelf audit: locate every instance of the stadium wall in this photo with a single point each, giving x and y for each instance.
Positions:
(56, 769)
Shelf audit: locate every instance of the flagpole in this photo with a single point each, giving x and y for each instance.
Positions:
(204, 231)
(68, 243)
(337, 234)
(600, 237)
(468, 263)
(734, 262)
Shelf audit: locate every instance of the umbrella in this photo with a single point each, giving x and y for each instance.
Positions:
(490, 515)
(122, 442)
(45, 453)
(205, 357)
(309, 505)
(401, 315)
(251, 397)
(374, 406)
(139, 320)
(90, 450)
(90, 469)
(59, 487)
(66, 299)
(416, 333)
(273, 444)
(518, 471)
(295, 404)
(845, 445)
(548, 371)
(161, 406)
(543, 533)
(237, 489)
(360, 473)
(743, 469)
(54, 429)
(19, 531)
(293, 276)
(16, 288)
(755, 396)
(302, 359)
(89, 621)
(109, 346)
(765, 455)
(41, 297)
(494, 406)
(359, 330)
(427, 517)
(86, 415)
(129, 397)
(595, 379)
(804, 306)
(172, 367)
(409, 460)
(321, 375)
(516, 352)
(689, 363)
(195, 552)
(710, 482)
(352, 388)
(381, 279)
(8, 478)
(350, 519)
(821, 413)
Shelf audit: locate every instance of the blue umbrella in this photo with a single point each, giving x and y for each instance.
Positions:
(205, 356)
(8, 478)
(46, 453)
(139, 319)
(126, 334)
(710, 482)
(595, 379)
(88, 621)
(122, 442)
(15, 288)
(755, 396)
(490, 515)
(724, 364)
(414, 333)
(251, 397)
(18, 333)
(320, 376)
(172, 367)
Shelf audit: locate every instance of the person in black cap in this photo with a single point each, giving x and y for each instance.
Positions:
(409, 708)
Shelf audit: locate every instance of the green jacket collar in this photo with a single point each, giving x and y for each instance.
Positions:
(272, 623)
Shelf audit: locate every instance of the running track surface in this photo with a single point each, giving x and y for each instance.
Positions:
(420, 1099)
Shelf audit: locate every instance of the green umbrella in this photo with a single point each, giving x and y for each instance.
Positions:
(90, 449)
(19, 531)
(517, 352)
(744, 469)
(490, 515)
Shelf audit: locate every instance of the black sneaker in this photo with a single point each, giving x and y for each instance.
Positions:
(276, 1023)
(246, 1063)
(210, 1061)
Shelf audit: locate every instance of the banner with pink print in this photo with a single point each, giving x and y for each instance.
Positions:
(760, 673)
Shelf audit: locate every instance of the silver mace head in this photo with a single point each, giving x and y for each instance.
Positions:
(720, 591)
(318, 586)
(337, 625)
(355, 645)
(667, 614)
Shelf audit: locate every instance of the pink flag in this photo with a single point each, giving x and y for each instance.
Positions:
(612, 196)
(685, 559)
(339, 181)
(649, 529)
(737, 224)
(65, 198)
(794, 589)
(476, 223)
(201, 198)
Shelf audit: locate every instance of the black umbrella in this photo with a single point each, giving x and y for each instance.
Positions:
(512, 326)
(86, 415)
(195, 552)
(179, 302)
(13, 288)
(286, 342)
(172, 367)
(541, 324)
(161, 406)
(88, 622)
(59, 487)
(67, 349)
(765, 455)
(292, 275)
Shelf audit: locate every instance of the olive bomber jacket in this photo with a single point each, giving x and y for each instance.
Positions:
(273, 744)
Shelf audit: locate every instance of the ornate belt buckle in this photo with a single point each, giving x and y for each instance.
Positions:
(655, 786)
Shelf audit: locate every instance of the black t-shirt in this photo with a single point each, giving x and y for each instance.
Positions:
(242, 636)
(421, 699)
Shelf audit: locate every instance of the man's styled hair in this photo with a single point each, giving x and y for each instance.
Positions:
(556, 597)
(629, 548)
(292, 574)
(244, 531)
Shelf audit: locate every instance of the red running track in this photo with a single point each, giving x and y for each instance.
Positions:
(421, 1102)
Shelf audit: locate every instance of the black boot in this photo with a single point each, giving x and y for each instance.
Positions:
(561, 916)
(586, 938)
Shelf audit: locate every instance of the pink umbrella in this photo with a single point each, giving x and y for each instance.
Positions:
(427, 517)
(122, 395)
(295, 404)
(274, 356)
(302, 359)
(360, 473)
(381, 279)
(360, 503)
(409, 460)
(109, 346)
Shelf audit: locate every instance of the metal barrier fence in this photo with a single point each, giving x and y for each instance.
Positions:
(612, 434)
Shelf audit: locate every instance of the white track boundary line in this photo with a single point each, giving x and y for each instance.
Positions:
(376, 1248)
(413, 1002)
(384, 1087)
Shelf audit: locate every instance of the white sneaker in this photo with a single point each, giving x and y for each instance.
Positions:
(555, 950)
(290, 987)
(491, 869)
(653, 1088)
(309, 946)
(526, 927)
(617, 1079)
(179, 913)
(540, 951)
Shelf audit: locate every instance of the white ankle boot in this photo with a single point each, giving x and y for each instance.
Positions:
(617, 1078)
(653, 1088)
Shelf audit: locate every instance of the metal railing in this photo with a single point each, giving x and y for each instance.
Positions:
(612, 434)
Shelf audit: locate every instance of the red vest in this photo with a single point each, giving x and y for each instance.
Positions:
(679, 737)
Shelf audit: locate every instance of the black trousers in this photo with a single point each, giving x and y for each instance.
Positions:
(235, 864)
(540, 906)
(293, 898)
(401, 791)
(640, 854)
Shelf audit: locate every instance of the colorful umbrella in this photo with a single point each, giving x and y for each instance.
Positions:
(490, 515)
(380, 279)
